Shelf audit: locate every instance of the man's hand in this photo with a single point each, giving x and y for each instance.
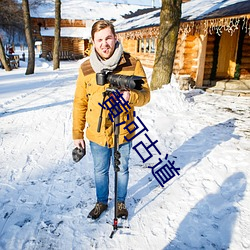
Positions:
(126, 95)
(79, 143)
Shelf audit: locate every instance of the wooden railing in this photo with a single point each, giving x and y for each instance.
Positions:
(64, 55)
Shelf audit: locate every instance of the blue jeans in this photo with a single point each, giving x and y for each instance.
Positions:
(102, 158)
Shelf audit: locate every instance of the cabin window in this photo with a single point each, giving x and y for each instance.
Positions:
(152, 45)
(146, 45)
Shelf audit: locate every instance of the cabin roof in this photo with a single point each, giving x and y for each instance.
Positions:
(208, 9)
(140, 21)
(193, 10)
(77, 32)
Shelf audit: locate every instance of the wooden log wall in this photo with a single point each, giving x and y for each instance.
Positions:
(186, 55)
(73, 45)
(185, 59)
(50, 22)
(131, 46)
(190, 56)
(47, 45)
(79, 46)
(146, 59)
(66, 44)
(178, 61)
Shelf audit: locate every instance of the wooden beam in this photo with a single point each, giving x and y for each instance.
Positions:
(201, 60)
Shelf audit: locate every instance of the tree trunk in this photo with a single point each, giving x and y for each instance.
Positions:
(168, 34)
(56, 59)
(29, 38)
(3, 57)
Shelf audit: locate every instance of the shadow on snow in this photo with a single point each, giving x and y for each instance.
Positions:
(190, 153)
(23, 110)
(209, 225)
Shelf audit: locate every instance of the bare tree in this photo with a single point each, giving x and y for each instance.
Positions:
(28, 33)
(11, 17)
(11, 24)
(168, 34)
(56, 59)
(36, 3)
(3, 57)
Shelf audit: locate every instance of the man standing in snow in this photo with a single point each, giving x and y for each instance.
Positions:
(107, 54)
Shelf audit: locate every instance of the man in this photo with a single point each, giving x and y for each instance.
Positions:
(107, 54)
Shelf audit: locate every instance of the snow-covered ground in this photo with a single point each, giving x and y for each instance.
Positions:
(45, 197)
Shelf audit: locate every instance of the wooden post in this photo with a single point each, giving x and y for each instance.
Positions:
(201, 60)
(140, 42)
(144, 45)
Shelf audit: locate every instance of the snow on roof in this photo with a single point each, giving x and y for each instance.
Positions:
(197, 9)
(79, 32)
(192, 10)
(85, 10)
(145, 20)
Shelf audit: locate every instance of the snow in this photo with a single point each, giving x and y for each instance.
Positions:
(192, 10)
(84, 33)
(197, 9)
(45, 196)
(155, 3)
(145, 20)
(86, 10)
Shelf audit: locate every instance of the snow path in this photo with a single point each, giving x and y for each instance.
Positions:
(45, 197)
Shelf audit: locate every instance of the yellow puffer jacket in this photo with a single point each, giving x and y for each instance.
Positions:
(89, 95)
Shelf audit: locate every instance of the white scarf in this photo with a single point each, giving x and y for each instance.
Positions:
(98, 64)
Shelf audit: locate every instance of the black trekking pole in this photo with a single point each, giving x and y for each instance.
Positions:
(117, 156)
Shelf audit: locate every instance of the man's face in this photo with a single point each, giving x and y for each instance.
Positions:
(104, 42)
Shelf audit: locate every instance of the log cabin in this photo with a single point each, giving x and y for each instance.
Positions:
(213, 41)
(74, 37)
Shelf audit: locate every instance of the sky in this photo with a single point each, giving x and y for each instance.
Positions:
(45, 197)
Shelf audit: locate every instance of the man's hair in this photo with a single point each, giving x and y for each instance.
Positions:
(101, 24)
